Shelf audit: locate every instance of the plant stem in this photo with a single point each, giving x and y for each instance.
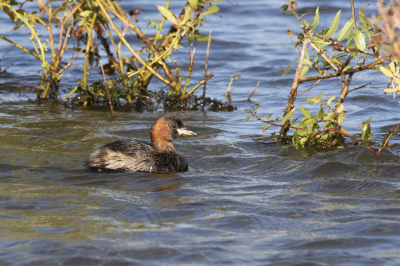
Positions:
(293, 92)
(205, 72)
(191, 59)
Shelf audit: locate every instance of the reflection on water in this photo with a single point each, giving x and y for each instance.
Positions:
(245, 200)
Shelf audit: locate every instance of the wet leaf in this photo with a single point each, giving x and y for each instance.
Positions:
(344, 32)
(334, 25)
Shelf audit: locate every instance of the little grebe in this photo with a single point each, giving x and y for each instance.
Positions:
(159, 156)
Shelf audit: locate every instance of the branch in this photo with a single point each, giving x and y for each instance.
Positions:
(387, 139)
(337, 131)
(201, 82)
(370, 66)
(303, 129)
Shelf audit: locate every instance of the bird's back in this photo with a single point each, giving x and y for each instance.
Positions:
(136, 156)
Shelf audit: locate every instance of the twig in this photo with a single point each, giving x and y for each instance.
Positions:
(387, 139)
(205, 72)
(199, 84)
(363, 86)
(315, 84)
(12, 47)
(70, 62)
(191, 59)
(324, 57)
(370, 66)
(107, 17)
(108, 94)
(353, 13)
(337, 131)
(251, 94)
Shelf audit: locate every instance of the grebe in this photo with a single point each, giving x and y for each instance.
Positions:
(159, 156)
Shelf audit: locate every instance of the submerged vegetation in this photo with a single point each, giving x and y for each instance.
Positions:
(92, 25)
(361, 45)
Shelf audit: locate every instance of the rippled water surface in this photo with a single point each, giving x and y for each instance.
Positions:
(245, 200)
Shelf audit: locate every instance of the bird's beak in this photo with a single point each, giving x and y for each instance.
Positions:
(184, 131)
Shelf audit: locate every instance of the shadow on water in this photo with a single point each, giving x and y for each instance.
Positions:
(245, 200)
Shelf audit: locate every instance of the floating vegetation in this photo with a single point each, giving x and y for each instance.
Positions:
(120, 89)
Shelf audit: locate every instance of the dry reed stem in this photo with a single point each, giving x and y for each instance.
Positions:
(108, 94)
(205, 72)
(251, 94)
(200, 83)
(191, 59)
(387, 139)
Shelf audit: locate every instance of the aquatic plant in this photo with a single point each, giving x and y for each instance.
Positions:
(366, 48)
(89, 20)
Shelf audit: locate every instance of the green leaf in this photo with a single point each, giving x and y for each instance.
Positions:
(307, 62)
(341, 117)
(193, 4)
(359, 39)
(306, 54)
(364, 19)
(366, 130)
(315, 21)
(284, 7)
(325, 125)
(312, 100)
(188, 13)
(340, 55)
(256, 107)
(267, 117)
(305, 112)
(167, 14)
(304, 70)
(334, 25)
(331, 99)
(198, 37)
(340, 109)
(344, 32)
(210, 10)
(351, 37)
(288, 68)
(344, 130)
(248, 117)
(386, 71)
(319, 42)
(288, 116)
(265, 128)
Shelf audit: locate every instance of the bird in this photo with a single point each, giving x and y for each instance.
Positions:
(159, 156)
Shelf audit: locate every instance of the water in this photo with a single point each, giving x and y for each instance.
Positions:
(245, 201)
